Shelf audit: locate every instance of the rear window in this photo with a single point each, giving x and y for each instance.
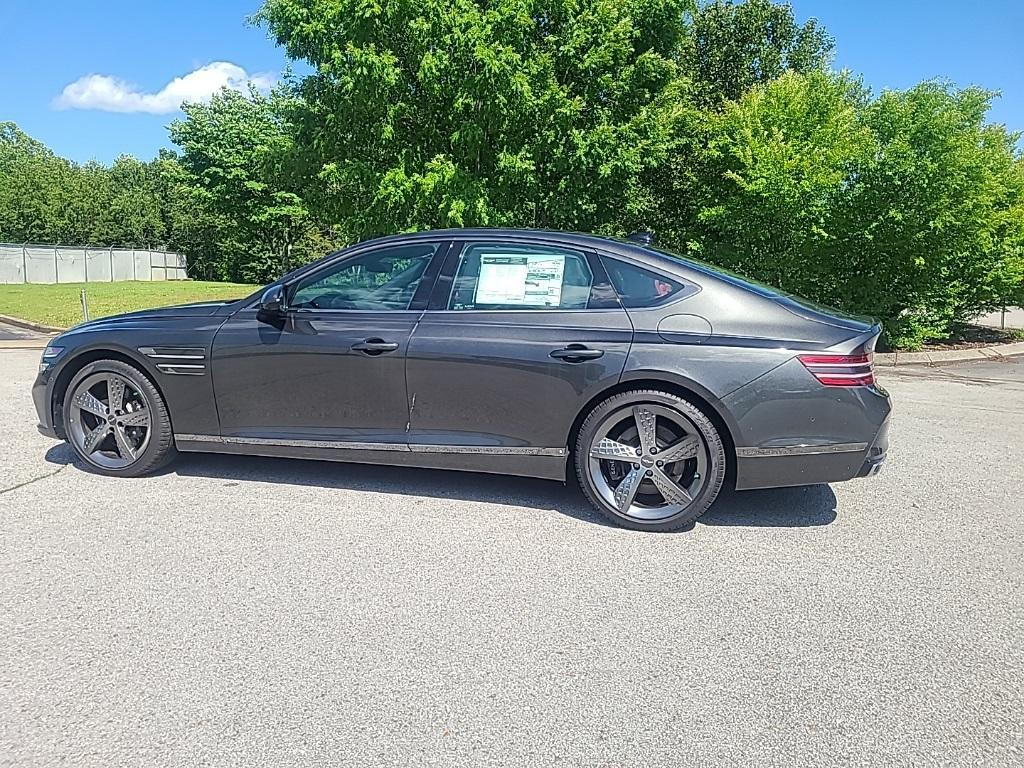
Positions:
(767, 291)
(638, 287)
(763, 289)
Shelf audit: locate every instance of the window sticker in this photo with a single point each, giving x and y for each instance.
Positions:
(520, 279)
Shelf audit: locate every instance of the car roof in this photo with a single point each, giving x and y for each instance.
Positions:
(517, 232)
(580, 239)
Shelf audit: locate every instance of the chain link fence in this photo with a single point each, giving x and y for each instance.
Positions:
(31, 263)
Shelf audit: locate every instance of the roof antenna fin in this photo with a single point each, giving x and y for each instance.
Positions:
(644, 238)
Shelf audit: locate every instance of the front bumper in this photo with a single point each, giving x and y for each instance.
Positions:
(41, 398)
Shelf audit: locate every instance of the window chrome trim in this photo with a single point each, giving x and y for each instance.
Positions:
(536, 310)
(485, 450)
(800, 450)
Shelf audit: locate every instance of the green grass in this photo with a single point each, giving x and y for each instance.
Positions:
(61, 307)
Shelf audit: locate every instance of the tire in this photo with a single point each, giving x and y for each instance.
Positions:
(618, 466)
(139, 439)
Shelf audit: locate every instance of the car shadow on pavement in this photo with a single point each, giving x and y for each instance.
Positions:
(805, 506)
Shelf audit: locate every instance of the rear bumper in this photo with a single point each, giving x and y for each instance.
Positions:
(812, 464)
(875, 457)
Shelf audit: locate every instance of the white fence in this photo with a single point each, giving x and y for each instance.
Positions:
(68, 264)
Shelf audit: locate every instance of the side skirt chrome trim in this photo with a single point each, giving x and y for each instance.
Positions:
(800, 450)
(490, 450)
(487, 450)
(198, 438)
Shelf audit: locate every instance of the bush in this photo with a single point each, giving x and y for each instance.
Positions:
(907, 207)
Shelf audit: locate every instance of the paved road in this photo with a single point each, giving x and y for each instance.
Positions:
(14, 333)
(238, 612)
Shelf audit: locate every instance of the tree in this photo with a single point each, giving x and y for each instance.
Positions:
(437, 113)
(232, 149)
(46, 199)
(30, 180)
(132, 217)
(733, 46)
(776, 164)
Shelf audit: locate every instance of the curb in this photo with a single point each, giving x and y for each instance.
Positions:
(24, 343)
(937, 357)
(18, 322)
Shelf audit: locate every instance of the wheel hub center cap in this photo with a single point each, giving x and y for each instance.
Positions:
(647, 461)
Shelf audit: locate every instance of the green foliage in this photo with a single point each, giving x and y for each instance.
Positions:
(907, 207)
(775, 164)
(230, 172)
(935, 221)
(456, 113)
(46, 199)
(734, 46)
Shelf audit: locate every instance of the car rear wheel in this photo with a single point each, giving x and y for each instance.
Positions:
(650, 460)
(116, 420)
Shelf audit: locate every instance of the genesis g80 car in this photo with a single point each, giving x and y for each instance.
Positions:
(654, 379)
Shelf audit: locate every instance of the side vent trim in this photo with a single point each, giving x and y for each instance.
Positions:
(180, 361)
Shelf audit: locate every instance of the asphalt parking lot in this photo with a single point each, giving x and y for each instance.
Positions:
(237, 611)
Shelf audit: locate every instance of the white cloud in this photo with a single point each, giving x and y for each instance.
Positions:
(112, 94)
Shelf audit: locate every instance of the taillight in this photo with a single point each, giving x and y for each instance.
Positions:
(841, 370)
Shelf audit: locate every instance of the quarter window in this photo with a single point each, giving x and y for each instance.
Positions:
(384, 279)
(527, 277)
(638, 287)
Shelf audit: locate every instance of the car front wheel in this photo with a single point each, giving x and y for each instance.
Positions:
(650, 460)
(116, 420)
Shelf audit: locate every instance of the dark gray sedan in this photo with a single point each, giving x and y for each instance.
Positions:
(654, 379)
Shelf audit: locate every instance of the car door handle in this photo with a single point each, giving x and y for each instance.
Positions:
(375, 346)
(577, 353)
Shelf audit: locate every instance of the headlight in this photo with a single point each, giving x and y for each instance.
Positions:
(49, 354)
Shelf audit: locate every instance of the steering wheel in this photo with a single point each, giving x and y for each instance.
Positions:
(332, 301)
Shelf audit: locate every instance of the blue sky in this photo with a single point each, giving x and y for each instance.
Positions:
(122, 55)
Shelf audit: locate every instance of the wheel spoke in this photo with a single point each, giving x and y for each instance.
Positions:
(613, 450)
(626, 490)
(95, 437)
(115, 393)
(671, 491)
(124, 445)
(139, 418)
(87, 402)
(646, 426)
(685, 448)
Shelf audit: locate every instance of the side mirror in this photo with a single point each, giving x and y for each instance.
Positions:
(272, 302)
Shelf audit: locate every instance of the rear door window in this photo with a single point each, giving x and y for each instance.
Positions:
(527, 277)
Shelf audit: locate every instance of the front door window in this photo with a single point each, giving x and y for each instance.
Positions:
(385, 279)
